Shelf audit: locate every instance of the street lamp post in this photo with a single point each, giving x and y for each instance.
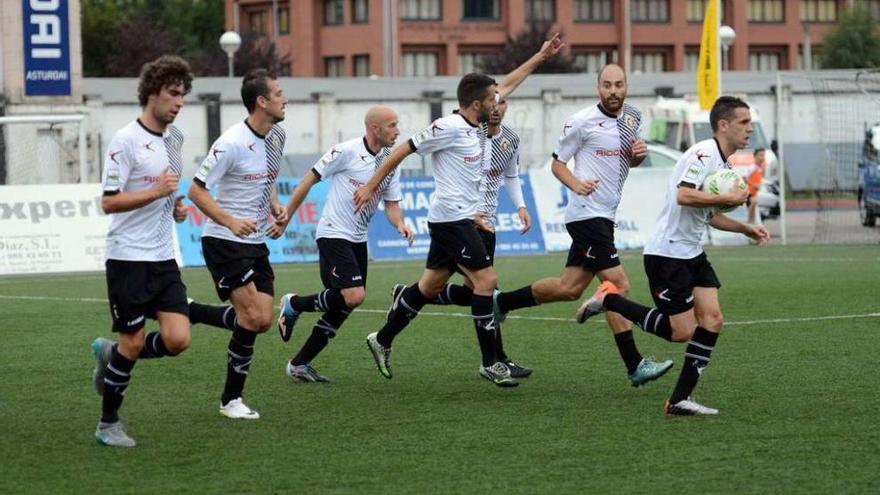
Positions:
(726, 35)
(230, 41)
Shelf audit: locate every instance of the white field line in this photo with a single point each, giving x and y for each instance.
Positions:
(509, 317)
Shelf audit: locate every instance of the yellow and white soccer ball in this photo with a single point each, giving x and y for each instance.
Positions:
(724, 181)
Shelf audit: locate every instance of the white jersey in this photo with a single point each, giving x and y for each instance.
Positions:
(679, 230)
(601, 145)
(135, 159)
(458, 150)
(503, 163)
(243, 165)
(348, 166)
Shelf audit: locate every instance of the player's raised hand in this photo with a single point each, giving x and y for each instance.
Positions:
(525, 219)
(362, 196)
(481, 219)
(639, 149)
(180, 210)
(586, 187)
(551, 47)
(759, 234)
(167, 183)
(406, 233)
(242, 227)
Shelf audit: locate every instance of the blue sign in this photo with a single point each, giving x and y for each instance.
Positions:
(386, 243)
(296, 245)
(46, 30)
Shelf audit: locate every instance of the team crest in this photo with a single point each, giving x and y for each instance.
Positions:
(505, 144)
(630, 122)
(276, 141)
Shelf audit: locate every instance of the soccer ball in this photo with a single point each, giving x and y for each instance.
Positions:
(724, 181)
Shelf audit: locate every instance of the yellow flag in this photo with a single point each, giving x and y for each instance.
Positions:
(709, 64)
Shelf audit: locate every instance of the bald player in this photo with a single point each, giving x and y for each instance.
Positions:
(341, 235)
(604, 142)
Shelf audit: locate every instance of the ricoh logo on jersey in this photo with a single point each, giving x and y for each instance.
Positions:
(473, 159)
(616, 152)
(259, 176)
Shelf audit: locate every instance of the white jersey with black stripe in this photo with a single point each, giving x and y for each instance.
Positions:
(458, 150)
(502, 163)
(679, 230)
(601, 145)
(135, 159)
(348, 166)
(242, 165)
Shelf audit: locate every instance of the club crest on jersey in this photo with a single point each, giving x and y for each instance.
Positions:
(505, 144)
(630, 122)
(175, 143)
(276, 141)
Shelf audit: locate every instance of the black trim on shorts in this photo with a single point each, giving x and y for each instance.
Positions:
(343, 263)
(137, 290)
(592, 245)
(236, 264)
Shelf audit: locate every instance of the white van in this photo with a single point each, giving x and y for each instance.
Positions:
(679, 123)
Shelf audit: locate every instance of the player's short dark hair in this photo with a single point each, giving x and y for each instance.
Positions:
(254, 85)
(723, 109)
(473, 87)
(758, 150)
(166, 70)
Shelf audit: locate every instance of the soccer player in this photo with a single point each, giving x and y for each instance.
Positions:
(242, 166)
(604, 141)
(143, 165)
(503, 166)
(457, 146)
(342, 235)
(682, 282)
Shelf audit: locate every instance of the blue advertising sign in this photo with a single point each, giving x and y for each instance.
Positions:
(46, 30)
(386, 243)
(296, 245)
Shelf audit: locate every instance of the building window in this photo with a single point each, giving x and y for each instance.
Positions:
(360, 11)
(815, 58)
(284, 20)
(333, 13)
(420, 10)
(541, 10)
(593, 11)
(420, 64)
(696, 10)
(766, 10)
(334, 66)
(481, 9)
(258, 21)
(818, 10)
(473, 61)
(873, 7)
(361, 65)
(764, 60)
(691, 60)
(591, 61)
(649, 61)
(650, 10)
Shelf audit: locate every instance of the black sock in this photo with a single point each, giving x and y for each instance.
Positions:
(648, 319)
(696, 359)
(116, 379)
(520, 298)
(499, 345)
(326, 300)
(216, 316)
(458, 295)
(154, 347)
(324, 330)
(404, 309)
(481, 310)
(626, 345)
(240, 353)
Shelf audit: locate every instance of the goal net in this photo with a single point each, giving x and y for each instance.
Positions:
(43, 149)
(834, 116)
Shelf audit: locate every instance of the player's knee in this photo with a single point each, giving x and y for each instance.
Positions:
(130, 346)
(682, 333)
(177, 343)
(255, 320)
(622, 287)
(712, 320)
(354, 298)
(486, 282)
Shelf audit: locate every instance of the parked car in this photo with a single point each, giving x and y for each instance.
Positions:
(869, 178)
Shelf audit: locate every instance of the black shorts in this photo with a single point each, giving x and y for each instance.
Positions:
(672, 281)
(489, 243)
(592, 245)
(236, 264)
(455, 244)
(343, 263)
(139, 289)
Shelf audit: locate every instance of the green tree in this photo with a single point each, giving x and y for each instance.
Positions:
(853, 43)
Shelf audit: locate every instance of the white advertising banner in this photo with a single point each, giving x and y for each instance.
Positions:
(51, 228)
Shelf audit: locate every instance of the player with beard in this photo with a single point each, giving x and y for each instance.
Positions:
(242, 166)
(682, 281)
(341, 235)
(458, 149)
(604, 141)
